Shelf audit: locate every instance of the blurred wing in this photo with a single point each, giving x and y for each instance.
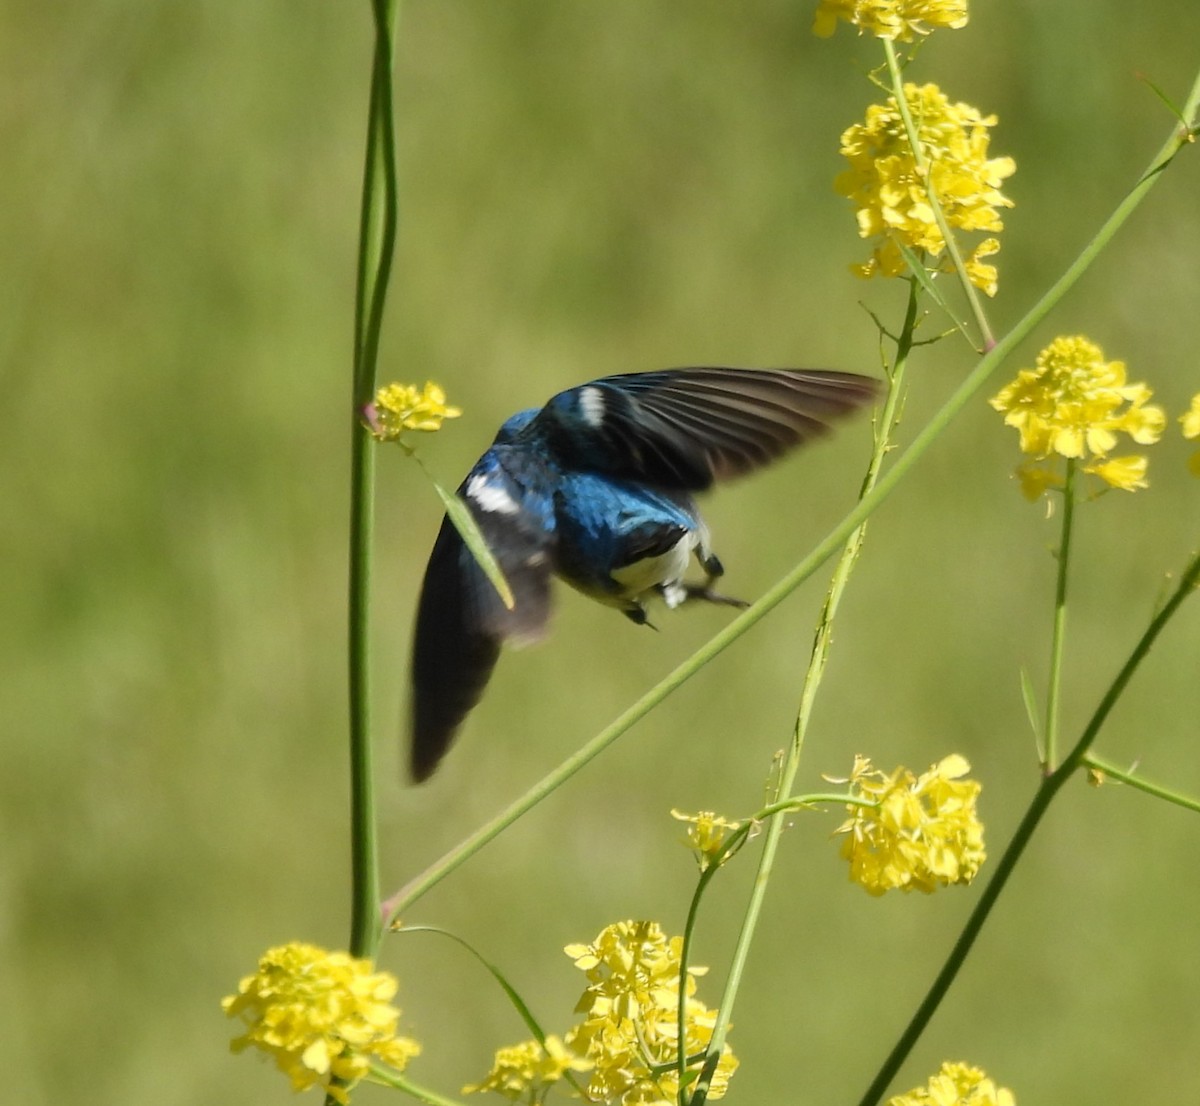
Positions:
(689, 428)
(462, 623)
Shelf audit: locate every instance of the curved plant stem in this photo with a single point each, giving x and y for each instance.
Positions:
(1049, 787)
(966, 391)
(1125, 776)
(1058, 636)
(731, 846)
(689, 929)
(390, 1078)
(377, 235)
(812, 681)
(923, 167)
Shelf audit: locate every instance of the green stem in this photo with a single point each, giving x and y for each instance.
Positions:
(1045, 793)
(689, 929)
(1187, 584)
(378, 214)
(812, 682)
(390, 1078)
(377, 233)
(966, 391)
(923, 168)
(1050, 753)
(731, 845)
(364, 850)
(1109, 768)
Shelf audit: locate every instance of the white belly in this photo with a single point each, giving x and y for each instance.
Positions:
(663, 571)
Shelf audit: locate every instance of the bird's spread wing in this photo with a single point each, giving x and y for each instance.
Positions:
(461, 620)
(689, 428)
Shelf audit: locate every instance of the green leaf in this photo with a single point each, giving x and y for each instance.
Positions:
(1171, 105)
(519, 1004)
(464, 522)
(1031, 707)
(526, 1015)
(926, 281)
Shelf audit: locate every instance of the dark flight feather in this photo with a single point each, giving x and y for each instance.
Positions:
(686, 429)
(462, 623)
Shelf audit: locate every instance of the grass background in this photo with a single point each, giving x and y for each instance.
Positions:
(587, 188)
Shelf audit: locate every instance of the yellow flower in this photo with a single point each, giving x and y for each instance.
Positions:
(630, 1030)
(983, 275)
(1074, 404)
(916, 833)
(895, 19)
(956, 1085)
(527, 1070)
(1036, 481)
(1191, 418)
(401, 407)
(890, 194)
(1127, 473)
(1191, 429)
(707, 833)
(320, 1015)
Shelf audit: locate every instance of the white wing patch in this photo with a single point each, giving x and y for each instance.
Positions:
(591, 406)
(491, 497)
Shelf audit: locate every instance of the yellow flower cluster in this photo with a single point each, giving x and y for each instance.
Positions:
(915, 832)
(630, 1030)
(1073, 405)
(1191, 429)
(901, 20)
(707, 834)
(401, 407)
(321, 1016)
(527, 1071)
(889, 190)
(956, 1085)
(629, 1037)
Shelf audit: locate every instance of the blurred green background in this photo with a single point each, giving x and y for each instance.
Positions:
(587, 188)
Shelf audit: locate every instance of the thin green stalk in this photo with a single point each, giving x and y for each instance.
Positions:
(1049, 787)
(922, 164)
(378, 216)
(965, 392)
(1188, 583)
(809, 688)
(1123, 775)
(689, 929)
(377, 234)
(364, 849)
(732, 844)
(1058, 636)
(390, 1078)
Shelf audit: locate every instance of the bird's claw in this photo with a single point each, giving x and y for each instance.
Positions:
(704, 591)
(637, 615)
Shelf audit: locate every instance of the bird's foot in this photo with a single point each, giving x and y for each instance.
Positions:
(704, 591)
(637, 615)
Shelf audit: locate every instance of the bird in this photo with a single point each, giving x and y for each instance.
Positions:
(596, 487)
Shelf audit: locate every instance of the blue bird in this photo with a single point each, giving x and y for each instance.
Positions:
(595, 488)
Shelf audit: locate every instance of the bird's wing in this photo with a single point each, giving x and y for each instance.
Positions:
(689, 428)
(462, 621)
